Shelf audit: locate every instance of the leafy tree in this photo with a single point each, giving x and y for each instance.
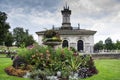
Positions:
(99, 46)
(109, 44)
(18, 34)
(22, 37)
(117, 44)
(4, 27)
(9, 39)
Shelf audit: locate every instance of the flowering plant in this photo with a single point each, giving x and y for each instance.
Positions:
(51, 35)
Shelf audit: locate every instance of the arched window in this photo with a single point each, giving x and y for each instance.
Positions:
(65, 43)
(80, 45)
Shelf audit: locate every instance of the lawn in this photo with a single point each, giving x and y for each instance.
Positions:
(109, 69)
(2, 55)
(5, 62)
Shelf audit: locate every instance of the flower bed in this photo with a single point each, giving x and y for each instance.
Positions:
(52, 64)
(49, 64)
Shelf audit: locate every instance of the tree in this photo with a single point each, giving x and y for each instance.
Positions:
(99, 46)
(18, 34)
(22, 37)
(9, 39)
(4, 27)
(117, 44)
(109, 44)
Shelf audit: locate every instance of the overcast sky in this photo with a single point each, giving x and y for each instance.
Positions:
(36, 15)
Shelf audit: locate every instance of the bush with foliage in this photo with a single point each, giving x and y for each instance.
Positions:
(51, 35)
(15, 72)
(60, 63)
(87, 67)
(19, 62)
(73, 49)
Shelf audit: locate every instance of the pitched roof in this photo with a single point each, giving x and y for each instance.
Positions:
(71, 32)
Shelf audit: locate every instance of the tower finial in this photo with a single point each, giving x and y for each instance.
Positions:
(66, 6)
(78, 26)
(53, 27)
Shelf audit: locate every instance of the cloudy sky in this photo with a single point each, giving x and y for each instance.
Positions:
(37, 15)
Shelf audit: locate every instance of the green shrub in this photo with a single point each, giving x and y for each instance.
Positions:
(19, 63)
(45, 58)
(38, 74)
(74, 63)
(73, 49)
(50, 34)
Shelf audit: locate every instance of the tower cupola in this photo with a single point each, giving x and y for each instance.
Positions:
(66, 18)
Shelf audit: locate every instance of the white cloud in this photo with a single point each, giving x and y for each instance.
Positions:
(44, 18)
(105, 30)
(100, 15)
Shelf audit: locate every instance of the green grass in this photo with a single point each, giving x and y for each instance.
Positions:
(2, 55)
(5, 62)
(109, 69)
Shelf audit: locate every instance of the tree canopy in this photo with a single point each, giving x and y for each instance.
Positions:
(22, 36)
(109, 44)
(9, 39)
(117, 44)
(99, 46)
(4, 30)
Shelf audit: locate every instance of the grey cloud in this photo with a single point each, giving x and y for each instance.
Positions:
(95, 9)
(38, 14)
(28, 5)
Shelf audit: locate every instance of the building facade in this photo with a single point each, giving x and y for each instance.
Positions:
(81, 39)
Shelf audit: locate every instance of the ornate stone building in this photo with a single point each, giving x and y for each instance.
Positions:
(81, 39)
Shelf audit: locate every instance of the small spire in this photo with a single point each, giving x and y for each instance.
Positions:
(66, 6)
(53, 27)
(78, 26)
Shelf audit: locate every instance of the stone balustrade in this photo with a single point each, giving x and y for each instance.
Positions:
(105, 55)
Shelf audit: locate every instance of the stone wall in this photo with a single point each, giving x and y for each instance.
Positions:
(106, 56)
